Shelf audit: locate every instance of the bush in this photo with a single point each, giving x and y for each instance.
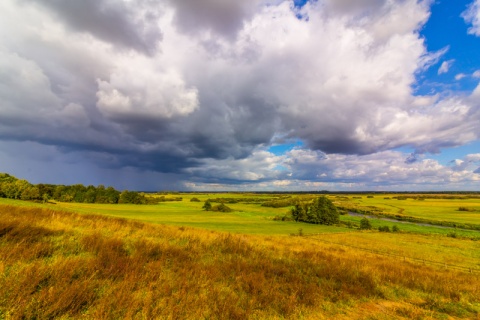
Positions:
(282, 218)
(207, 206)
(452, 234)
(395, 229)
(221, 208)
(194, 200)
(384, 229)
(365, 224)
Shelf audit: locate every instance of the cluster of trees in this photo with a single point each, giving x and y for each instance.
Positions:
(207, 206)
(13, 188)
(320, 211)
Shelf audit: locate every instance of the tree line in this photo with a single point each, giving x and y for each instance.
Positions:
(13, 188)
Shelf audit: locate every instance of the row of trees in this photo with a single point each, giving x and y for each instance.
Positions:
(13, 188)
(320, 211)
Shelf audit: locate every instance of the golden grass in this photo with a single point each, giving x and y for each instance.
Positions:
(67, 265)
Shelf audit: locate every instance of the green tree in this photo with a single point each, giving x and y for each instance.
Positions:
(325, 211)
(321, 211)
(131, 197)
(365, 224)
(207, 206)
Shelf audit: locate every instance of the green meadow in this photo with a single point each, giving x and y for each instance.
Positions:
(175, 260)
(249, 217)
(432, 207)
(245, 219)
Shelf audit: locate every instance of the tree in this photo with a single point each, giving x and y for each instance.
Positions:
(365, 224)
(131, 197)
(325, 211)
(321, 211)
(207, 206)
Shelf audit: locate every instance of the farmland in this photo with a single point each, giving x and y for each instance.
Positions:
(175, 260)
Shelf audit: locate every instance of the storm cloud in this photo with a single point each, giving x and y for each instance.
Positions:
(202, 88)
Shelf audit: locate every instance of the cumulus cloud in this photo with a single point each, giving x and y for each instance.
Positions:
(472, 16)
(302, 169)
(124, 23)
(224, 18)
(198, 87)
(138, 89)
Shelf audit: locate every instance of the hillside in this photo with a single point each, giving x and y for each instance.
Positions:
(60, 264)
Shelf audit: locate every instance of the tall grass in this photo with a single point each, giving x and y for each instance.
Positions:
(61, 264)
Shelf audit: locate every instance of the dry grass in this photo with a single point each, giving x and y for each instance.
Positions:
(66, 265)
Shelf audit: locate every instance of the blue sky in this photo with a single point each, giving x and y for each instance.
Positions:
(252, 95)
(447, 29)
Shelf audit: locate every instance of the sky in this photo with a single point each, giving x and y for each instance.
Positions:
(253, 95)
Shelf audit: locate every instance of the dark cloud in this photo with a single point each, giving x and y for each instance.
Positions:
(207, 108)
(412, 158)
(111, 21)
(224, 18)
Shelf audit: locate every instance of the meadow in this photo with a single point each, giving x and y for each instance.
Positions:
(174, 260)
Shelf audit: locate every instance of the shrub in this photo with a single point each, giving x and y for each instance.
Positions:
(384, 229)
(194, 200)
(221, 208)
(452, 234)
(207, 206)
(282, 218)
(395, 229)
(365, 224)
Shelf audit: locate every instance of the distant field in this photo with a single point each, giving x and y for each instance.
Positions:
(252, 218)
(246, 219)
(430, 209)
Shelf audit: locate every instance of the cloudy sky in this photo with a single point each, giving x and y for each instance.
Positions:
(242, 95)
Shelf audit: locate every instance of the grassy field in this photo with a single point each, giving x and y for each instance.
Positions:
(59, 264)
(431, 208)
(246, 219)
(175, 260)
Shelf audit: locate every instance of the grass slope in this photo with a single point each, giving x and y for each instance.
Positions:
(58, 264)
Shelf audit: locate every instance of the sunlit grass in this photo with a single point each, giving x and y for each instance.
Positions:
(58, 264)
(430, 209)
(246, 219)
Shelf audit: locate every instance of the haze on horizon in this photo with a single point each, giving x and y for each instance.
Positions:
(339, 95)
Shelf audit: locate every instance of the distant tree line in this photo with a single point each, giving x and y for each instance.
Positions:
(13, 188)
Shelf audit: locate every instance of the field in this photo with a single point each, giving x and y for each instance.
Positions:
(175, 260)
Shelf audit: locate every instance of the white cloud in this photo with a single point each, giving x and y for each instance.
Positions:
(472, 16)
(460, 76)
(199, 87)
(445, 66)
(476, 74)
(138, 87)
(301, 169)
